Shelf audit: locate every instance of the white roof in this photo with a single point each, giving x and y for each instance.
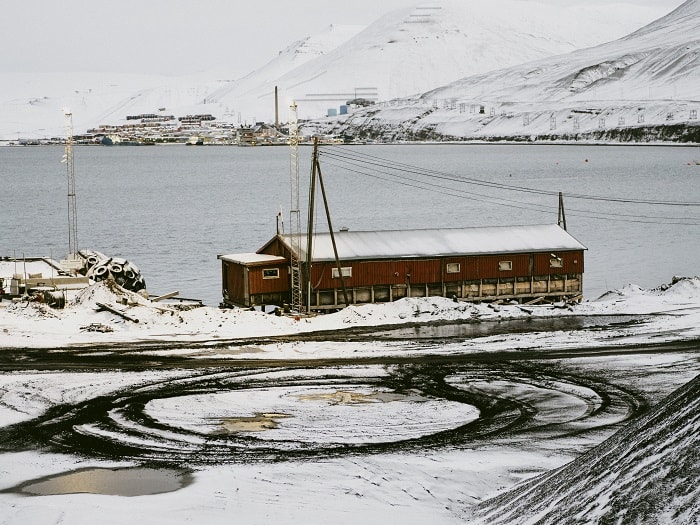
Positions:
(439, 242)
(251, 258)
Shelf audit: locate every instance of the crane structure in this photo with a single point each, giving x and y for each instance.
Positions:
(72, 211)
(294, 211)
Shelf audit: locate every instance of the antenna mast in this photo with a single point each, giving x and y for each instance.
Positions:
(72, 211)
(294, 212)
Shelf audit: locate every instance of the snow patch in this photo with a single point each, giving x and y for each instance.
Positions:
(672, 311)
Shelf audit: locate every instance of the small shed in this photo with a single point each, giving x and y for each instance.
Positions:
(521, 263)
(250, 279)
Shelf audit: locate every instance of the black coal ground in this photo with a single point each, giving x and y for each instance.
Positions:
(622, 388)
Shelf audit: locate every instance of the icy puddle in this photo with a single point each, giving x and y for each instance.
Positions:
(257, 423)
(131, 481)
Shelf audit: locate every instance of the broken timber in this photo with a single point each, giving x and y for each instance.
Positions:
(103, 306)
(166, 296)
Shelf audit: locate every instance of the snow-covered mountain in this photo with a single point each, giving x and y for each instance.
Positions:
(419, 48)
(648, 78)
(408, 51)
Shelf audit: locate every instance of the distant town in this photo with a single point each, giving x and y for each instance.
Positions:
(147, 129)
(156, 128)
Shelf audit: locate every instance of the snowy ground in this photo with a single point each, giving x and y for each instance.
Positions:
(273, 423)
(669, 312)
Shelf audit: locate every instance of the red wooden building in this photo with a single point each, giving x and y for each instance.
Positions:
(521, 263)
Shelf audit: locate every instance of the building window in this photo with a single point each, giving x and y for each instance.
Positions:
(505, 266)
(347, 272)
(556, 262)
(271, 273)
(453, 268)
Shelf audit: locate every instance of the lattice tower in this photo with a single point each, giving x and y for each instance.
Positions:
(72, 210)
(294, 212)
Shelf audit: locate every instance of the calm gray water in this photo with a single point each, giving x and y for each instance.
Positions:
(172, 209)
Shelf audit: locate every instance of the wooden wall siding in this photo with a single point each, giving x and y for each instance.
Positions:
(424, 271)
(400, 272)
(572, 262)
(234, 282)
(276, 248)
(368, 273)
(246, 286)
(468, 269)
(258, 285)
(488, 266)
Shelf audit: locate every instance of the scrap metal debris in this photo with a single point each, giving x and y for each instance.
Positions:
(99, 267)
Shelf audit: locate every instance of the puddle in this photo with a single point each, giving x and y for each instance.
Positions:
(470, 330)
(257, 423)
(129, 481)
(345, 397)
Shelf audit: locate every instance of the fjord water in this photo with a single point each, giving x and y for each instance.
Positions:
(172, 209)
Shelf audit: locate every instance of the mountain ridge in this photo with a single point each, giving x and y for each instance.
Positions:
(408, 51)
(647, 79)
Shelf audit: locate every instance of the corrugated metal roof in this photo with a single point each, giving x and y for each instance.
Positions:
(438, 242)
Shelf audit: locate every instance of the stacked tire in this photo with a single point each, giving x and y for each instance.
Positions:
(99, 267)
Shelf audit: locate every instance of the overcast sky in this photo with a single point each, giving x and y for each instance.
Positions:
(179, 36)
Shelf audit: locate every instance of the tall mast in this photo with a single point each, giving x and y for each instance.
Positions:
(72, 211)
(294, 212)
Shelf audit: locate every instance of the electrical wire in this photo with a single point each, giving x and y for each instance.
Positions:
(371, 160)
(408, 175)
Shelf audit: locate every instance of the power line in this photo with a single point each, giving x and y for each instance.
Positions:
(371, 160)
(405, 174)
(407, 181)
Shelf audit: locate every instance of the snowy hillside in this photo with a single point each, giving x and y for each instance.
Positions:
(408, 51)
(648, 78)
(418, 48)
(646, 473)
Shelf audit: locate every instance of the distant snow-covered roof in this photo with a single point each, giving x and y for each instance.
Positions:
(29, 266)
(438, 242)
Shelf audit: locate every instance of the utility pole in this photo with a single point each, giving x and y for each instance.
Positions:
(72, 211)
(561, 219)
(310, 226)
(330, 230)
(316, 172)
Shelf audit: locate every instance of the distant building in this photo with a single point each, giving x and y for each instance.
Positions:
(259, 135)
(196, 119)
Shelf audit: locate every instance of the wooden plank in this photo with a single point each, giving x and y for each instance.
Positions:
(103, 306)
(166, 296)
